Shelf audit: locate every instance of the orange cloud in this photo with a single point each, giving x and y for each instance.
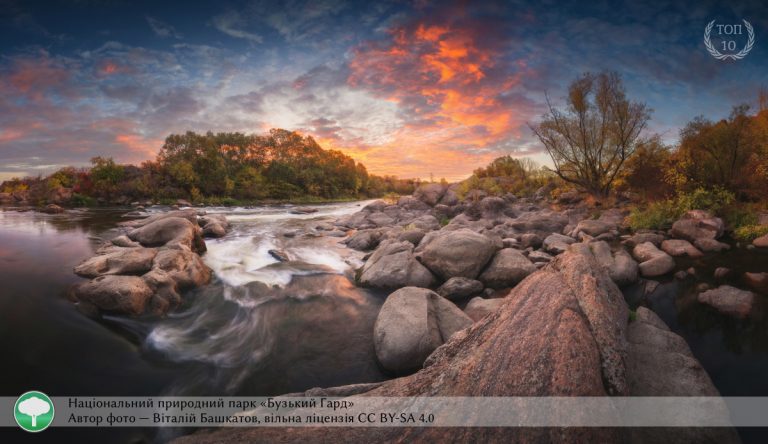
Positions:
(454, 92)
(144, 148)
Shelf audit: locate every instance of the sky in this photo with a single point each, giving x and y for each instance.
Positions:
(411, 89)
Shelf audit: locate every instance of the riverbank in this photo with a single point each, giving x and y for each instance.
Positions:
(278, 273)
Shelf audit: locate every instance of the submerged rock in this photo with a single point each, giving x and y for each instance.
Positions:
(729, 300)
(412, 323)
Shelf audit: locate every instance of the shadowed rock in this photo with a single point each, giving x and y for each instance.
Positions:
(457, 288)
(729, 300)
(412, 323)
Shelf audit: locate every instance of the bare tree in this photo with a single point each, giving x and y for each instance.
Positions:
(599, 129)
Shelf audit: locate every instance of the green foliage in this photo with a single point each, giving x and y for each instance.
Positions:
(444, 220)
(713, 200)
(507, 175)
(749, 233)
(632, 315)
(660, 215)
(79, 200)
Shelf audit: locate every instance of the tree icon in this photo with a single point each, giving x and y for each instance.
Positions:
(34, 411)
(34, 407)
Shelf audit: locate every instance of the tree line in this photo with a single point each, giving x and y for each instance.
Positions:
(221, 168)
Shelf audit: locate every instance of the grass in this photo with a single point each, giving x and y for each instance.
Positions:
(748, 233)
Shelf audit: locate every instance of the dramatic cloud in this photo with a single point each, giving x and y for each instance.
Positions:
(410, 89)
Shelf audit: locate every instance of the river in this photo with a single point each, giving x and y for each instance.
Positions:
(263, 327)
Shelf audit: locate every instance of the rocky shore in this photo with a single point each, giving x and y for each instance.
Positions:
(146, 269)
(497, 296)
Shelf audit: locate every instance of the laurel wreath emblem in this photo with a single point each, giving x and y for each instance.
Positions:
(739, 55)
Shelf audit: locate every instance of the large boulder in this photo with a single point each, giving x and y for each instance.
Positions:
(680, 247)
(698, 224)
(660, 363)
(134, 261)
(507, 268)
(169, 231)
(412, 323)
(122, 294)
(461, 252)
(729, 300)
(653, 262)
(457, 288)
(478, 307)
(430, 193)
(393, 265)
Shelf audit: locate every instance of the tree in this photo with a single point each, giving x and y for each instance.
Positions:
(598, 131)
(34, 407)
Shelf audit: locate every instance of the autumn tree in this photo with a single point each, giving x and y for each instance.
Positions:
(599, 129)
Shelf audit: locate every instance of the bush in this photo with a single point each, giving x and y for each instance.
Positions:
(79, 200)
(748, 233)
(714, 200)
(656, 216)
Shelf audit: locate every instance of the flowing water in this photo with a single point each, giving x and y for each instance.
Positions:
(263, 326)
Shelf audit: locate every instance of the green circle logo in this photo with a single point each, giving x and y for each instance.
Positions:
(33, 411)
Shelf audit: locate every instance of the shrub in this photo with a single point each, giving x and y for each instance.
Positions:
(748, 233)
(714, 200)
(656, 216)
(79, 200)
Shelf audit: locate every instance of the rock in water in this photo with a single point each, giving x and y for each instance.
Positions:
(461, 253)
(507, 268)
(653, 262)
(679, 247)
(122, 294)
(169, 231)
(757, 282)
(729, 300)
(661, 364)
(412, 323)
(698, 224)
(761, 242)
